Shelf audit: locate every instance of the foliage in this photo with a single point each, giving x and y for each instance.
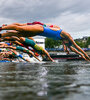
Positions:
(81, 44)
(50, 43)
(88, 42)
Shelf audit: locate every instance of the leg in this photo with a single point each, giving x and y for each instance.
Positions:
(9, 34)
(31, 28)
(68, 36)
(19, 24)
(12, 37)
(24, 31)
(11, 27)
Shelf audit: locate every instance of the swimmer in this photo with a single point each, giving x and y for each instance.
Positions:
(33, 23)
(26, 42)
(30, 53)
(5, 44)
(41, 30)
(16, 40)
(11, 54)
(68, 45)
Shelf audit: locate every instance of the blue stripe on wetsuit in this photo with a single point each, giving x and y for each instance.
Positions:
(51, 33)
(8, 43)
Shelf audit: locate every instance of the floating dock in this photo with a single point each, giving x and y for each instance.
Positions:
(67, 57)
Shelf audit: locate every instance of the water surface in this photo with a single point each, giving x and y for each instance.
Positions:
(64, 80)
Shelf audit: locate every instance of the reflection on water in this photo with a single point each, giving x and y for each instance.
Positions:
(45, 81)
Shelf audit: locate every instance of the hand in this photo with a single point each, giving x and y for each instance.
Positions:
(53, 60)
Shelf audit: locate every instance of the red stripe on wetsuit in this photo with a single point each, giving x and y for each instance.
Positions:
(35, 23)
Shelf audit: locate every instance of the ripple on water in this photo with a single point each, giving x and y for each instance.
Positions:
(45, 81)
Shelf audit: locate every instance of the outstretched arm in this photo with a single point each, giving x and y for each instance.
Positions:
(12, 38)
(74, 50)
(68, 36)
(17, 43)
(31, 53)
(15, 38)
(11, 47)
(48, 55)
(18, 24)
(5, 38)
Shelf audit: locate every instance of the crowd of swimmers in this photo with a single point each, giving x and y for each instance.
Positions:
(22, 36)
(26, 45)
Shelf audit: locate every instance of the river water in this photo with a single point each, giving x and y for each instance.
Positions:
(64, 80)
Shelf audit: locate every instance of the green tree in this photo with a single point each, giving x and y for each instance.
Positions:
(81, 44)
(88, 42)
(50, 43)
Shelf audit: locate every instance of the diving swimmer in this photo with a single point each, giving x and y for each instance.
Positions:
(42, 30)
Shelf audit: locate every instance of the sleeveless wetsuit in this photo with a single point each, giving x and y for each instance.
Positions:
(31, 43)
(51, 33)
(22, 49)
(13, 54)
